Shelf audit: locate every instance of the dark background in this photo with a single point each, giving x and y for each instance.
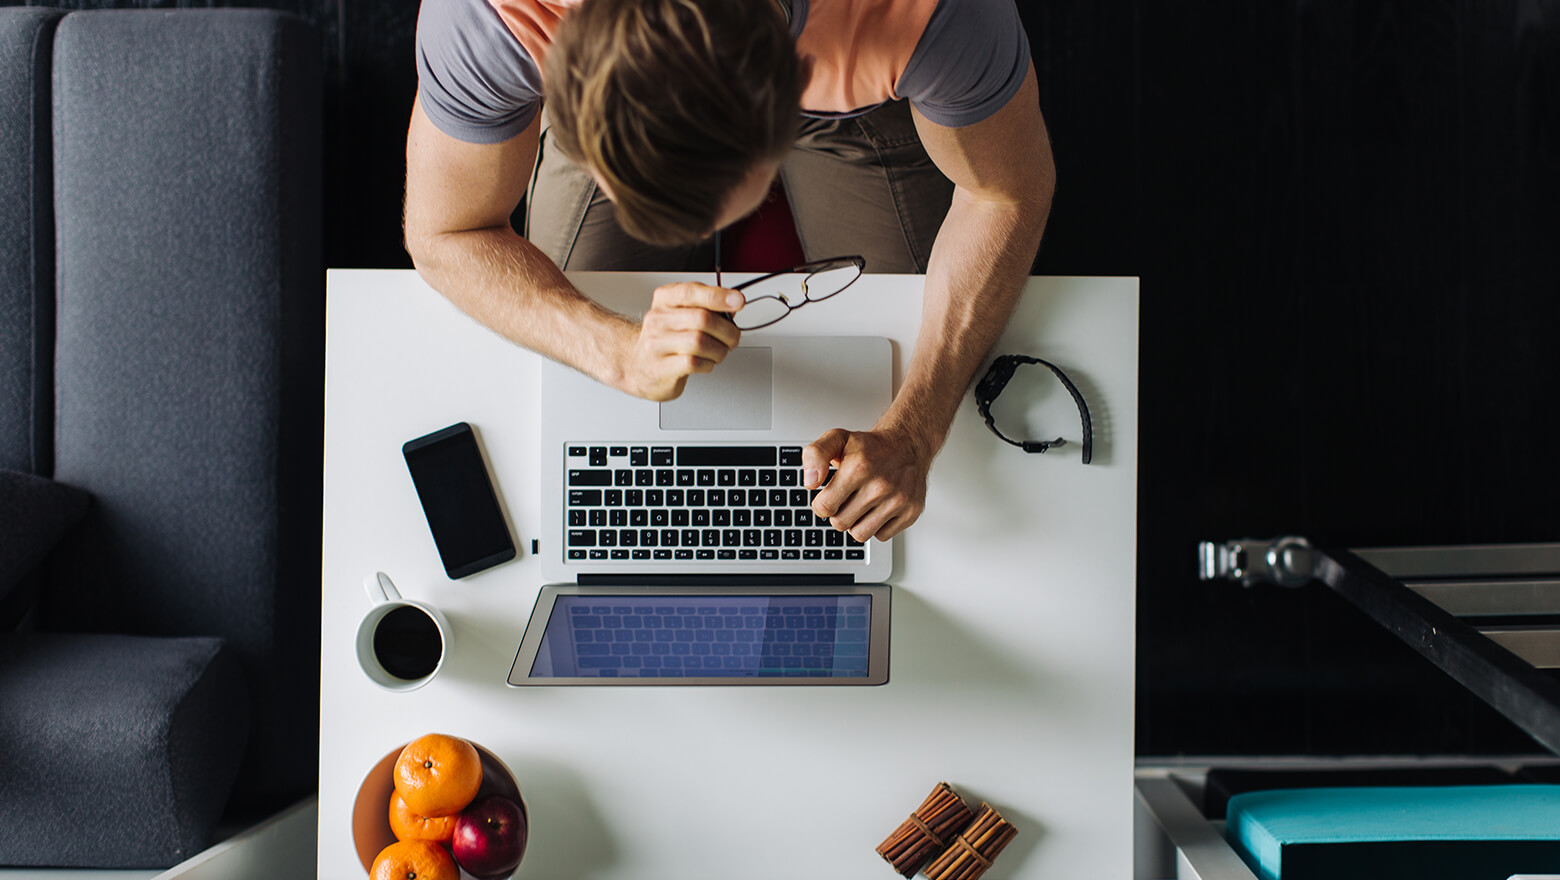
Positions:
(1346, 218)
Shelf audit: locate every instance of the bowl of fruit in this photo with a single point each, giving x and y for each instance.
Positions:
(440, 808)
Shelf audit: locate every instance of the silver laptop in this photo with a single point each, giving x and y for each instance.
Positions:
(702, 497)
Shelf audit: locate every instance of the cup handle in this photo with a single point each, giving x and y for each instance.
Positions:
(380, 588)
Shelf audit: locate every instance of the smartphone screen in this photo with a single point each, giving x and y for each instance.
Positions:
(458, 498)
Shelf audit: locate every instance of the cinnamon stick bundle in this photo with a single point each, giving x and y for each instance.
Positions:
(975, 849)
(927, 832)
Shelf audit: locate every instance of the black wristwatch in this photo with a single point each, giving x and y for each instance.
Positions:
(996, 379)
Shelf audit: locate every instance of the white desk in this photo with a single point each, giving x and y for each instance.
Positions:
(1013, 604)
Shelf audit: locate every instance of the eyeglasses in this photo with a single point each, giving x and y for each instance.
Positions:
(773, 296)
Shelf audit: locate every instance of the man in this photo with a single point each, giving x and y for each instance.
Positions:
(682, 112)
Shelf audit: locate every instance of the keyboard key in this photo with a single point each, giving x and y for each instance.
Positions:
(788, 478)
(812, 555)
(834, 538)
(641, 554)
(631, 497)
(598, 518)
(790, 456)
(720, 518)
(768, 554)
(747, 477)
(793, 537)
(617, 518)
(710, 537)
(606, 538)
(598, 555)
(598, 456)
(726, 477)
(706, 477)
(623, 477)
(799, 498)
(777, 498)
(752, 537)
(684, 553)
(661, 456)
(576, 451)
(804, 517)
(685, 478)
(612, 497)
(576, 554)
(638, 456)
(701, 518)
(639, 518)
(857, 554)
(726, 554)
(731, 538)
(590, 478)
(772, 537)
(619, 554)
(747, 554)
(742, 518)
(850, 540)
(761, 518)
(679, 517)
(576, 518)
(582, 537)
(833, 554)
(655, 498)
(617, 451)
(674, 498)
(662, 554)
(659, 517)
(644, 477)
(813, 537)
(737, 498)
(665, 477)
(584, 497)
(783, 518)
(790, 554)
(690, 537)
(766, 478)
(628, 538)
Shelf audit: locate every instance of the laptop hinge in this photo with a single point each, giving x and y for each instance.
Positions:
(716, 580)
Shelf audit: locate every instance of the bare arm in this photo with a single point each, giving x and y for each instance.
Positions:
(1003, 179)
(459, 197)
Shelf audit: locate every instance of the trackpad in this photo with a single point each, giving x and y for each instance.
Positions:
(737, 396)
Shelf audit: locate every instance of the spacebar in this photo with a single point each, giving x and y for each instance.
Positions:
(716, 456)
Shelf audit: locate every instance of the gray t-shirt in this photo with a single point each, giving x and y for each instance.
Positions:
(477, 82)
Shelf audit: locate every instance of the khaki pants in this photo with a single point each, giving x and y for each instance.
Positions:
(861, 185)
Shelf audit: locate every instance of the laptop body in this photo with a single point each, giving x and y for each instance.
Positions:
(612, 465)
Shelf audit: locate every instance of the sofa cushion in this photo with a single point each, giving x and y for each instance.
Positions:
(26, 239)
(34, 514)
(121, 750)
(189, 366)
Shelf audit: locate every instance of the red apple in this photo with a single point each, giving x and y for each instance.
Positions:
(490, 837)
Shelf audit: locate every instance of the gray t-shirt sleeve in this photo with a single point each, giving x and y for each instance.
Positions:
(971, 59)
(474, 80)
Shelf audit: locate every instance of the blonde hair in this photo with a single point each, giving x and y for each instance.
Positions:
(671, 103)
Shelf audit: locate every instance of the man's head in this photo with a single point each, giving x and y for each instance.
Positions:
(681, 109)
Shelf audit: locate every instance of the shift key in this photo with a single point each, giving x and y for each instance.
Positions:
(590, 477)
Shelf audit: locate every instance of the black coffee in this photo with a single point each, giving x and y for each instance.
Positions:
(407, 643)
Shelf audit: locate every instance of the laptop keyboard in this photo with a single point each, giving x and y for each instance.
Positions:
(695, 502)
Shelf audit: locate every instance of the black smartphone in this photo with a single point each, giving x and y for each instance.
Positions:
(457, 497)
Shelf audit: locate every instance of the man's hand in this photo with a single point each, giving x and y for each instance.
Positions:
(686, 331)
(879, 484)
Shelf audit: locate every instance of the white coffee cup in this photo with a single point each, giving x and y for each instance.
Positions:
(401, 644)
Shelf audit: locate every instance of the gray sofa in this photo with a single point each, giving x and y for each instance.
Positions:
(161, 420)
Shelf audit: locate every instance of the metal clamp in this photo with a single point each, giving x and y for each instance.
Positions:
(1288, 562)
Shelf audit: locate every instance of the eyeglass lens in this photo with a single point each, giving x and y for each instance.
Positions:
(773, 298)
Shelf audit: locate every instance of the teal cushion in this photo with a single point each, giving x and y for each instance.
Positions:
(1463, 832)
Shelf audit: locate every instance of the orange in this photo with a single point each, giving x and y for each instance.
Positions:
(408, 825)
(438, 775)
(414, 860)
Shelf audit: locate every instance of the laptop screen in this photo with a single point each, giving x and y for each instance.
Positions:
(629, 636)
